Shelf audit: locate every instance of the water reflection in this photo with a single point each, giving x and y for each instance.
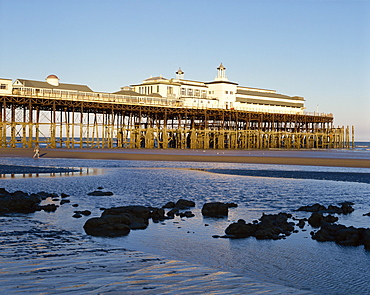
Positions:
(74, 172)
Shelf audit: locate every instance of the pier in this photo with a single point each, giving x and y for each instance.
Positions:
(101, 120)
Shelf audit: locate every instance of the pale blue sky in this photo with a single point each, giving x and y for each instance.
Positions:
(316, 49)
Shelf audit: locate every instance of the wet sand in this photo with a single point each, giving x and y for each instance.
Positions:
(38, 258)
(120, 271)
(280, 157)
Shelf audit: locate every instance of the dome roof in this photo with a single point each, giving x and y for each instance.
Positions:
(52, 77)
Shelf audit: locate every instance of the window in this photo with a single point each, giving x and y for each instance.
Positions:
(3, 86)
(231, 92)
(197, 92)
(157, 88)
(227, 92)
(183, 91)
(190, 92)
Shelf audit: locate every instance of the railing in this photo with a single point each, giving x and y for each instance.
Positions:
(95, 97)
(319, 114)
(141, 100)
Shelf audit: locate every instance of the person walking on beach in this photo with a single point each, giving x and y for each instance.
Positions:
(36, 151)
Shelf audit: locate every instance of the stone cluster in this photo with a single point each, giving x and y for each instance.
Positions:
(269, 226)
(119, 221)
(22, 202)
(345, 208)
(342, 235)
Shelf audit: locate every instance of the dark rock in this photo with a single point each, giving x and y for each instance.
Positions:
(169, 205)
(366, 239)
(215, 209)
(75, 205)
(157, 214)
(63, 195)
(345, 208)
(3, 192)
(138, 225)
(108, 226)
(100, 193)
(231, 205)
(333, 209)
(322, 235)
(346, 236)
(138, 216)
(84, 212)
(54, 195)
(346, 203)
(100, 187)
(64, 202)
(184, 204)
(301, 223)
(330, 218)
(241, 230)
(187, 214)
(49, 207)
(77, 215)
(271, 226)
(314, 208)
(316, 219)
(366, 214)
(19, 202)
(172, 212)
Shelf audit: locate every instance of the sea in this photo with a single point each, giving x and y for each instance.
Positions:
(38, 250)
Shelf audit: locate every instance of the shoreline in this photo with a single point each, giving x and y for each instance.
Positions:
(278, 157)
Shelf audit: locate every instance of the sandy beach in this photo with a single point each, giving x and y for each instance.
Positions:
(280, 157)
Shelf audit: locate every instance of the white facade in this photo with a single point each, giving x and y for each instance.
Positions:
(177, 92)
(220, 93)
(5, 86)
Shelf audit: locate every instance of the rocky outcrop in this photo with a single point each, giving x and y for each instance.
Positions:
(316, 219)
(270, 226)
(100, 193)
(107, 226)
(118, 221)
(22, 202)
(169, 205)
(176, 208)
(343, 235)
(215, 209)
(345, 208)
(184, 204)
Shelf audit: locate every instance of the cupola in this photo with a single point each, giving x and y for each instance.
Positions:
(179, 74)
(221, 73)
(52, 80)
